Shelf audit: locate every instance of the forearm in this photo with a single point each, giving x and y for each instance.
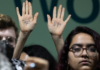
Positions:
(58, 41)
(20, 44)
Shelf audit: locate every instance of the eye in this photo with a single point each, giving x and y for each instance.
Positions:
(92, 49)
(77, 49)
(10, 39)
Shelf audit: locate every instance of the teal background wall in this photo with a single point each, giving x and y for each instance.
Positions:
(40, 35)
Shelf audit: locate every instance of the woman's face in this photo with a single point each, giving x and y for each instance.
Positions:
(84, 61)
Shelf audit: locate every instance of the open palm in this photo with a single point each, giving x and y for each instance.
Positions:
(26, 21)
(56, 25)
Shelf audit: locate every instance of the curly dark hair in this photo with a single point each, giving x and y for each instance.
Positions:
(63, 57)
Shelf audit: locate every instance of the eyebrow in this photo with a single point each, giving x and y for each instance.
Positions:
(91, 44)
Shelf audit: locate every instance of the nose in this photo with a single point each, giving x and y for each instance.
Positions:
(84, 53)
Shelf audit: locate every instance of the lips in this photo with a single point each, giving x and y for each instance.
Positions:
(85, 62)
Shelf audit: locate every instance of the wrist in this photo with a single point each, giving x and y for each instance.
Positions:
(24, 35)
(56, 36)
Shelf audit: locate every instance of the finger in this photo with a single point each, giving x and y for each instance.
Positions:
(33, 59)
(49, 18)
(35, 16)
(23, 9)
(54, 12)
(27, 9)
(30, 8)
(62, 14)
(29, 66)
(17, 10)
(59, 11)
(67, 18)
(36, 60)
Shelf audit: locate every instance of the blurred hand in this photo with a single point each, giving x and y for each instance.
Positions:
(36, 63)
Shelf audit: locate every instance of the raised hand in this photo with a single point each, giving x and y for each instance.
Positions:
(26, 21)
(27, 24)
(56, 25)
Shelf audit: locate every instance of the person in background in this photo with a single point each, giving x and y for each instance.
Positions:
(8, 30)
(38, 51)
